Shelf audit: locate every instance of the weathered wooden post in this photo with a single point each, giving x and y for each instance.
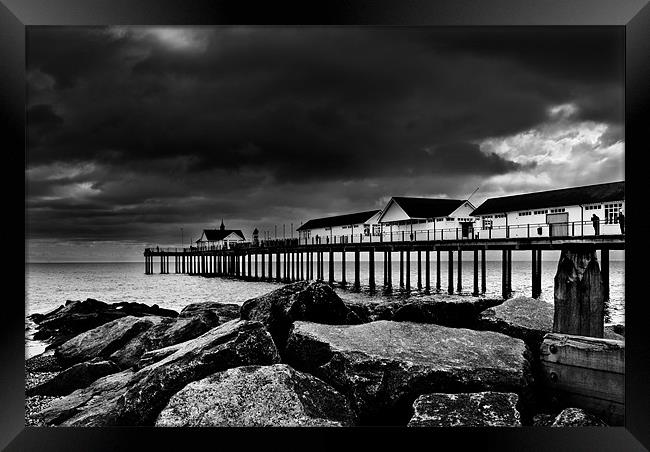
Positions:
(343, 281)
(539, 272)
(262, 269)
(459, 288)
(509, 273)
(278, 273)
(162, 269)
(578, 294)
(475, 291)
(371, 269)
(604, 272)
(302, 266)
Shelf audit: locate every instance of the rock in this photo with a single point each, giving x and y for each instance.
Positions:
(257, 396)
(523, 317)
(168, 332)
(453, 311)
(137, 397)
(75, 317)
(610, 332)
(383, 366)
(304, 300)
(543, 420)
(575, 417)
(75, 377)
(371, 311)
(617, 328)
(225, 311)
(103, 340)
(477, 409)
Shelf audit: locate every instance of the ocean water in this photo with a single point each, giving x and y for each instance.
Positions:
(50, 285)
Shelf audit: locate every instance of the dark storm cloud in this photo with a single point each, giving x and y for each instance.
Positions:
(148, 128)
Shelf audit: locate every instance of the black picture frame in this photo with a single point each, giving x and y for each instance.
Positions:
(634, 15)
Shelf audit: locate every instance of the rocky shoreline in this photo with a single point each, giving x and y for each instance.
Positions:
(297, 356)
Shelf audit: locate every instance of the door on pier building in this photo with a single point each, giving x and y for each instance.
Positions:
(558, 224)
(467, 229)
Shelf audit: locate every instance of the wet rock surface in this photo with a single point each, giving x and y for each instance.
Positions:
(480, 409)
(257, 396)
(75, 317)
(75, 377)
(576, 417)
(225, 311)
(163, 334)
(103, 340)
(312, 301)
(383, 366)
(523, 317)
(137, 397)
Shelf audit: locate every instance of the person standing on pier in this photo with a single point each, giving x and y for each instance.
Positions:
(595, 220)
(621, 221)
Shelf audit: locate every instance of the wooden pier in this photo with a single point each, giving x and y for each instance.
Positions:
(288, 261)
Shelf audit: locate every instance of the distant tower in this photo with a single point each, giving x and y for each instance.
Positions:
(222, 227)
(256, 237)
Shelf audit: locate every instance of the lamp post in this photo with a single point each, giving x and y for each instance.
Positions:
(182, 244)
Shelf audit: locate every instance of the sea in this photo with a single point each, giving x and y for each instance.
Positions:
(49, 285)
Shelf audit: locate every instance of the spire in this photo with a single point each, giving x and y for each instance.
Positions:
(222, 227)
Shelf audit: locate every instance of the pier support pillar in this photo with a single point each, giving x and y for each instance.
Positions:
(483, 272)
(504, 274)
(438, 284)
(450, 265)
(427, 270)
(408, 270)
(331, 266)
(419, 270)
(578, 294)
(278, 276)
(533, 282)
(357, 281)
(162, 268)
(389, 270)
(343, 280)
(371, 269)
(509, 273)
(475, 291)
(401, 269)
(459, 287)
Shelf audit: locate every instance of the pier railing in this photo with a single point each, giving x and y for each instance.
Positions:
(401, 234)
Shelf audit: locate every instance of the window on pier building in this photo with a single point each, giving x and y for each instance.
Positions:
(500, 215)
(525, 214)
(558, 210)
(611, 212)
(450, 218)
(541, 212)
(439, 219)
(594, 207)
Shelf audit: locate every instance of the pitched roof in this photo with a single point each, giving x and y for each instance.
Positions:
(339, 220)
(214, 235)
(613, 191)
(427, 207)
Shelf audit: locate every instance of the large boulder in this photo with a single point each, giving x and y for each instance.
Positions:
(474, 409)
(576, 417)
(304, 300)
(525, 318)
(445, 310)
(103, 340)
(137, 397)
(383, 366)
(167, 332)
(225, 311)
(75, 377)
(257, 396)
(522, 317)
(65, 322)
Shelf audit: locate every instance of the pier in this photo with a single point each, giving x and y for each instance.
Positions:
(290, 260)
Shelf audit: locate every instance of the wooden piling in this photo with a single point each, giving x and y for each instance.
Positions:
(509, 273)
(438, 282)
(604, 272)
(401, 269)
(331, 266)
(407, 258)
(504, 274)
(578, 294)
(343, 281)
(389, 270)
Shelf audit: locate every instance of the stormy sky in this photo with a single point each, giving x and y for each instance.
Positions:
(135, 133)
